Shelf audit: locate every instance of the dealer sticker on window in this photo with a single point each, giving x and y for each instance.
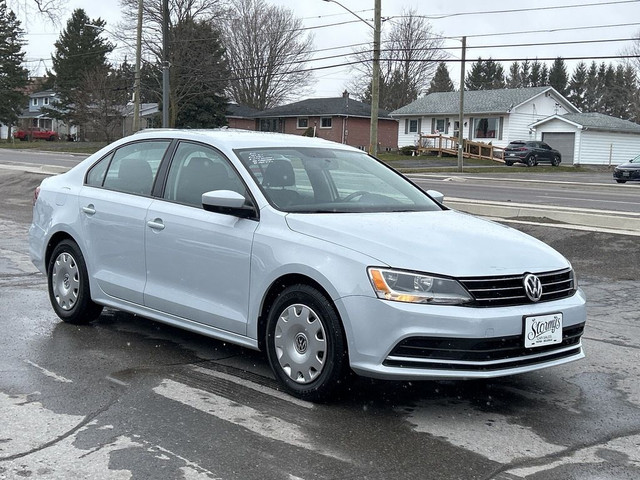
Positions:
(542, 330)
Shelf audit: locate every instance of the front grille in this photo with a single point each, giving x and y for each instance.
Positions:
(632, 174)
(509, 290)
(480, 354)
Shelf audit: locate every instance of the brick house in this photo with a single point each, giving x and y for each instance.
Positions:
(339, 119)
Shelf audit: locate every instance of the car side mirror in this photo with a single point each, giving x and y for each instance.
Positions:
(229, 203)
(436, 195)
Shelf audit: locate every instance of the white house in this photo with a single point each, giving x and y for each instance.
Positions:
(496, 116)
(590, 138)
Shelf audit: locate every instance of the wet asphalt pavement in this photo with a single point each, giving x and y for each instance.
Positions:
(127, 398)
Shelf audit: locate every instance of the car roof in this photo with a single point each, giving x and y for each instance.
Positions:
(236, 138)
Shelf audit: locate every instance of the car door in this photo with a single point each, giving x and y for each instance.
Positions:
(546, 152)
(198, 262)
(113, 203)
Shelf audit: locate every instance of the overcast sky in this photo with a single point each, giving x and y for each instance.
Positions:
(484, 23)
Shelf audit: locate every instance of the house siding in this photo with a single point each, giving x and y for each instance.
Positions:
(353, 131)
(607, 148)
(242, 123)
(594, 147)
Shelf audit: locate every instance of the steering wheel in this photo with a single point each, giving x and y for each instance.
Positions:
(351, 196)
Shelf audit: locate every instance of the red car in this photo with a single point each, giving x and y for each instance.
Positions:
(36, 134)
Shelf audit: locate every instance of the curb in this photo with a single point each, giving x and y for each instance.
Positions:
(605, 219)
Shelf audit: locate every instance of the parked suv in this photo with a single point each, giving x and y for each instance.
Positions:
(530, 153)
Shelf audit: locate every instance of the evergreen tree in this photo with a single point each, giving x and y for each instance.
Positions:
(199, 75)
(535, 77)
(79, 51)
(544, 75)
(485, 75)
(525, 74)
(13, 76)
(558, 77)
(578, 86)
(593, 90)
(514, 79)
(441, 81)
(607, 80)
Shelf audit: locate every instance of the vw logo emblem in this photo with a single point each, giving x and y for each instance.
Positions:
(300, 342)
(532, 287)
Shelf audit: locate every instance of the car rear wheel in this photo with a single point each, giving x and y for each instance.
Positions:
(555, 161)
(68, 284)
(305, 344)
(531, 161)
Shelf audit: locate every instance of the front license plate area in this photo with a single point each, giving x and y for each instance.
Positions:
(625, 174)
(541, 330)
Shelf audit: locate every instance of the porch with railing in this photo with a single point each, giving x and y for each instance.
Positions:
(443, 144)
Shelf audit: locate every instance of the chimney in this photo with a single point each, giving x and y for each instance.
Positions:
(345, 95)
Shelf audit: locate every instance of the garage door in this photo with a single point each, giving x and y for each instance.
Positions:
(563, 142)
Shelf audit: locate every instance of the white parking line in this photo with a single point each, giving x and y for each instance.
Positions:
(48, 373)
(243, 416)
(255, 386)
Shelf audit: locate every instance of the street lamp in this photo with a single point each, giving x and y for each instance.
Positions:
(375, 81)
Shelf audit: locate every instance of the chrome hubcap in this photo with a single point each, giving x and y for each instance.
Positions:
(65, 281)
(300, 343)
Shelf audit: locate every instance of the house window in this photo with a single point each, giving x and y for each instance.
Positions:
(45, 101)
(325, 122)
(456, 129)
(486, 128)
(34, 102)
(439, 126)
(303, 122)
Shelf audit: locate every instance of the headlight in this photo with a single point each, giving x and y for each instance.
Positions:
(402, 286)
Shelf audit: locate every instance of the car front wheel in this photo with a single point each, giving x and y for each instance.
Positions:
(68, 284)
(620, 181)
(508, 163)
(555, 161)
(305, 344)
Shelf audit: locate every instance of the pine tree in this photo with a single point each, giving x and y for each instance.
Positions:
(535, 77)
(13, 76)
(558, 77)
(485, 75)
(593, 90)
(525, 74)
(80, 51)
(514, 80)
(578, 86)
(441, 81)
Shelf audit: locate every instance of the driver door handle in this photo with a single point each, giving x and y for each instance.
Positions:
(156, 224)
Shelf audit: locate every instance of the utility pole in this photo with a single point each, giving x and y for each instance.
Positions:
(461, 112)
(165, 63)
(375, 81)
(136, 81)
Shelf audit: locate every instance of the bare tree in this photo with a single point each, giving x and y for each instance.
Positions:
(409, 56)
(266, 52)
(26, 9)
(180, 11)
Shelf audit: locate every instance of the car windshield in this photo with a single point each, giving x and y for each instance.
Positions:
(321, 180)
(635, 160)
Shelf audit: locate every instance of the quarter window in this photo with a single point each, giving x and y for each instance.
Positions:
(130, 169)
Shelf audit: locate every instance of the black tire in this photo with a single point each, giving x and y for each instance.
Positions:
(508, 163)
(620, 181)
(305, 344)
(530, 161)
(555, 161)
(52, 138)
(68, 285)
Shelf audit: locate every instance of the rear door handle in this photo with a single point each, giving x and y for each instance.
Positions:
(89, 209)
(156, 224)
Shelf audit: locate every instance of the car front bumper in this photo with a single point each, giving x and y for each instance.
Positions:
(393, 340)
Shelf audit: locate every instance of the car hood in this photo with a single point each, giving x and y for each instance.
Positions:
(629, 166)
(440, 242)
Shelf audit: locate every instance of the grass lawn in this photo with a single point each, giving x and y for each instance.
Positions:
(58, 146)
